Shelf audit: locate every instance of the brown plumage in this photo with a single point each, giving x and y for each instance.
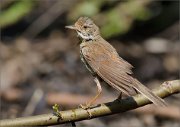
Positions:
(103, 61)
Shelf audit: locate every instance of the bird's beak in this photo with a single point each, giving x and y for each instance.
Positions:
(71, 27)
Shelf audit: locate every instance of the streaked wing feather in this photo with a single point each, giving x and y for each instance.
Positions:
(115, 71)
(111, 80)
(109, 67)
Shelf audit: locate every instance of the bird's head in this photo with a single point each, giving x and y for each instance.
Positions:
(85, 28)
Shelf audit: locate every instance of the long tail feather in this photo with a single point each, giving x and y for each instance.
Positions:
(147, 93)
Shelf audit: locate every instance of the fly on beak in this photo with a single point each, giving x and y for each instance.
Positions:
(71, 27)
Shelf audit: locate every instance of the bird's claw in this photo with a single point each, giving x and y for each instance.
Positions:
(86, 107)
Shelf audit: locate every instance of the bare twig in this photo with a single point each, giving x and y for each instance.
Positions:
(117, 106)
(70, 99)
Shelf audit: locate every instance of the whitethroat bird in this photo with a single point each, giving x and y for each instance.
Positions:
(103, 61)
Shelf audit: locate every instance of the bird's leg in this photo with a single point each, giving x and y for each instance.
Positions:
(120, 96)
(99, 91)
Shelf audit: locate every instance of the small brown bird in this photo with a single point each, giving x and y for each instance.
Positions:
(102, 60)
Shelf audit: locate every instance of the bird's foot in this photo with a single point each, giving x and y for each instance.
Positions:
(86, 107)
(119, 97)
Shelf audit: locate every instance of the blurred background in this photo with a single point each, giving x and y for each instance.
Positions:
(40, 64)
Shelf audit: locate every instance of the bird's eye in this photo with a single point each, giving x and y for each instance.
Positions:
(85, 27)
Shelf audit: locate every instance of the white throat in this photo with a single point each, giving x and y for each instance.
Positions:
(90, 37)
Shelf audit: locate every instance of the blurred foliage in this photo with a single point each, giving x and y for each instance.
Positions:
(119, 18)
(15, 12)
(87, 8)
(114, 17)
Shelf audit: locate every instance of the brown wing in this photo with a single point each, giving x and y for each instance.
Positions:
(104, 60)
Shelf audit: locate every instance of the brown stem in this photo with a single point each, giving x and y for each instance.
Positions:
(166, 89)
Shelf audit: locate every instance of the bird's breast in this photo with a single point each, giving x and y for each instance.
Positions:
(82, 47)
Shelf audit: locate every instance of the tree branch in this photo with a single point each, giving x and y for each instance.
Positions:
(166, 89)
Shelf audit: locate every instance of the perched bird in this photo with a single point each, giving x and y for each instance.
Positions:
(103, 61)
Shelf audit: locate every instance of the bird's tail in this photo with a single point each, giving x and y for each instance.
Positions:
(148, 94)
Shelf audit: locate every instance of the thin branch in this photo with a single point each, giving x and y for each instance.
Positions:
(166, 89)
